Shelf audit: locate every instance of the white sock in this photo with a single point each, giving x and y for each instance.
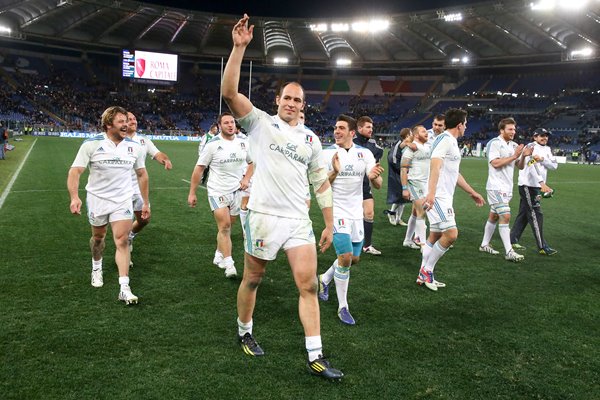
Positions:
(96, 265)
(342, 278)
(426, 251)
(436, 253)
(421, 230)
(124, 282)
(243, 215)
(399, 211)
(227, 261)
(244, 327)
(218, 254)
(328, 275)
(504, 232)
(314, 347)
(394, 207)
(410, 229)
(488, 232)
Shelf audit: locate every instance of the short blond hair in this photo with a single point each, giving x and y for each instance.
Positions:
(108, 116)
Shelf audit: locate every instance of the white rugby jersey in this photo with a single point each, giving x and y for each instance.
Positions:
(431, 136)
(536, 172)
(418, 161)
(355, 163)
(149, 149)
(500, 178)
(226, 159)
(446, 148)
(203, 140)
(110, 166)
(282, 155)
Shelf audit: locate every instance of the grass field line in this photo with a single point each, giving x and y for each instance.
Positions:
(200, 186)
(15, 176)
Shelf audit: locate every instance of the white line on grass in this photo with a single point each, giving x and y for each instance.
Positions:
(14, 178)
(200, 186)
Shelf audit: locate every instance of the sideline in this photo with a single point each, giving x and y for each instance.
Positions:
(15, 176)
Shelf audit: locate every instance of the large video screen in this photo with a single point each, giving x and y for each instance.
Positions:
(148, 65)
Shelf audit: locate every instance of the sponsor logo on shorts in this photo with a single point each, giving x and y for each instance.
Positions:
(128, 212)
(221, 199)
(341, 222)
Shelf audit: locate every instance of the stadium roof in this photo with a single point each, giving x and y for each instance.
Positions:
(487, 33)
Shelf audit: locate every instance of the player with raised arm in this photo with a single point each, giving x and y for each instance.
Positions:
(348, 165)
(138, 201)
(502, 155)
(444, 175)
(111, 158)
(226, 154)
(284, 152)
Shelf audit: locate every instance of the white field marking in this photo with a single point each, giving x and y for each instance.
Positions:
(83, 190)
(200, 186)
(15, 176)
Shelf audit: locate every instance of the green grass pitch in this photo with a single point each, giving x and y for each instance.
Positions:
(498, 331)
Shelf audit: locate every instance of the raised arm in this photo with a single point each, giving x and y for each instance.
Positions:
(238, 103)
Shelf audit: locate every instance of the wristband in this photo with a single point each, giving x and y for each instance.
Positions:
(404, 187)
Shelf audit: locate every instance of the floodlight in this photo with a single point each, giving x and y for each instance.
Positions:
(572, 5)
(318, 27)
(281, 60)
(465, 60)
(372, 26)
(343, 62)
(585, 52)
(340, 27)
(543, 5)
(455, 60)
(5, 29)
(453, 17)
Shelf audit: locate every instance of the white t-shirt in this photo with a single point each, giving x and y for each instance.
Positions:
(149, 149)
(418, 161)
(282, 155)
(355, 163)
(536, 172)
(110, 166)
(226, 159)
(446, 148)
(431, 136)
(500, 178)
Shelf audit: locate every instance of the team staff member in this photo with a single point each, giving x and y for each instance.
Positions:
(364, 139)
(284, 152)
(111, 158)
(532, 183)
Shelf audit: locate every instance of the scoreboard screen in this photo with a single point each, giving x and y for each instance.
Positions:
(149, 65)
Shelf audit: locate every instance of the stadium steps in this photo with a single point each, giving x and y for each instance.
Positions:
(9, 79)
(512, 84)
(485, 84)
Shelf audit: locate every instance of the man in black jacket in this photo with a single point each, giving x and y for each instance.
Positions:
(364, 139)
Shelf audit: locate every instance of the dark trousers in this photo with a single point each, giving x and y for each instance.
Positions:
(530, 212)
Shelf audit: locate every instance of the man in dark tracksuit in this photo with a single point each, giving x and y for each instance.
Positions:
(364, 139)
(532, 184)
